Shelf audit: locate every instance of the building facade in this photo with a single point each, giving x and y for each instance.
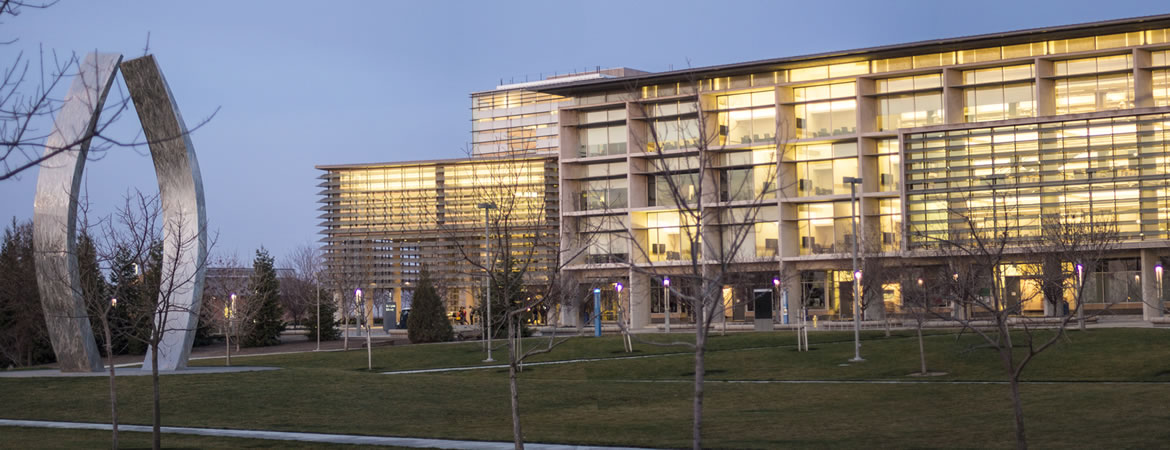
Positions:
(383, 223)
(1037, 123)
(762, 161)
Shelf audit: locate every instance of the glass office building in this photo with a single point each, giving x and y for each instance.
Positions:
(1047, 122)
(382, 223)
(1062, 121)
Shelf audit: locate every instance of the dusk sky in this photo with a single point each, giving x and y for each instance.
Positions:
(304, 83)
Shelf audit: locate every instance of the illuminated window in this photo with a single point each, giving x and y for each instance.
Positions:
(890, 223)
(909, 110)
(1161, 79)
(674, 133)
(827, 117)
(824, 227)
(747, 118)
(998, 102)
(602, 194)
(889, 172)
(600, 141)
(912, 83)
(1094, 93)
(661, 189)
(751, 233)
(670, 236)
(1093, 65)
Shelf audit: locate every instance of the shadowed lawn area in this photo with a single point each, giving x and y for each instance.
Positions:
(647, 401)
(15, 437)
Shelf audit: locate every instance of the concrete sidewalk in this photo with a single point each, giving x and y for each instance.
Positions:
(302, 437)
(130, 372)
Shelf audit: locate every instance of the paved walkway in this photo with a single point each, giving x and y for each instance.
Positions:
(303, 437)
(203, 370)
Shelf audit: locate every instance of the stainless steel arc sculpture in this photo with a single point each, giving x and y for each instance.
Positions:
(184, 214)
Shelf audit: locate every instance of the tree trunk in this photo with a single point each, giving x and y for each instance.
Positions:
(157, 414)
(697, 429)
(921, 348)
(1005, 353)
(513, 386)
(1018, 408)
(1080, 316)
(113, 383)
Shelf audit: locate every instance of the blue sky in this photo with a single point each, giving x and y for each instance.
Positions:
(301, 83)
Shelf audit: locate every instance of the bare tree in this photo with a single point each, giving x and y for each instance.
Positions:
(225, 300)
(522, 266)
(299, 292)
(138, 225)
(976, 249)
(718, 207)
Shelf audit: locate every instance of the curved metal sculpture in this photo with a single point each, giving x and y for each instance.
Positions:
(55, 215)
(184, 213)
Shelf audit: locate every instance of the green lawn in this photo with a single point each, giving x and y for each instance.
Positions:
(647, 401)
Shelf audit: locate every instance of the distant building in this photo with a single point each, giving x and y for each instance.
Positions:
(383, 222)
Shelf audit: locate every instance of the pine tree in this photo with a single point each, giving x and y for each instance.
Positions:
(130, 319)
(24, 337)
(329, 329)
(264, 288)
(428, 317)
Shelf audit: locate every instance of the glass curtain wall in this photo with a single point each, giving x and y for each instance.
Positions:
(1111, 170)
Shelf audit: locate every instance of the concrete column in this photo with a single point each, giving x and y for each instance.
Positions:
(1143, 81)
(1045, 88)
(876, 309)
(569, 309)
(1151, 295)
(639, 300)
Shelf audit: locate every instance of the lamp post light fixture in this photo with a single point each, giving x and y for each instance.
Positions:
(1158, 279)
(853, 181)
(776, 301)
(113, 302)
(487, 207)
(666, 301)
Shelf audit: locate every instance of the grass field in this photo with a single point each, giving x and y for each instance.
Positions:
(646, 401)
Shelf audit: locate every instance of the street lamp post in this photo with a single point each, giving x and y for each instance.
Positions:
(317, 285)
(856, 272)
(666, 302)
(779, 311)
(358, 303)
(487, 206)
(1158, 278)
(1081, 296)
(230, 312)
(629, 322)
